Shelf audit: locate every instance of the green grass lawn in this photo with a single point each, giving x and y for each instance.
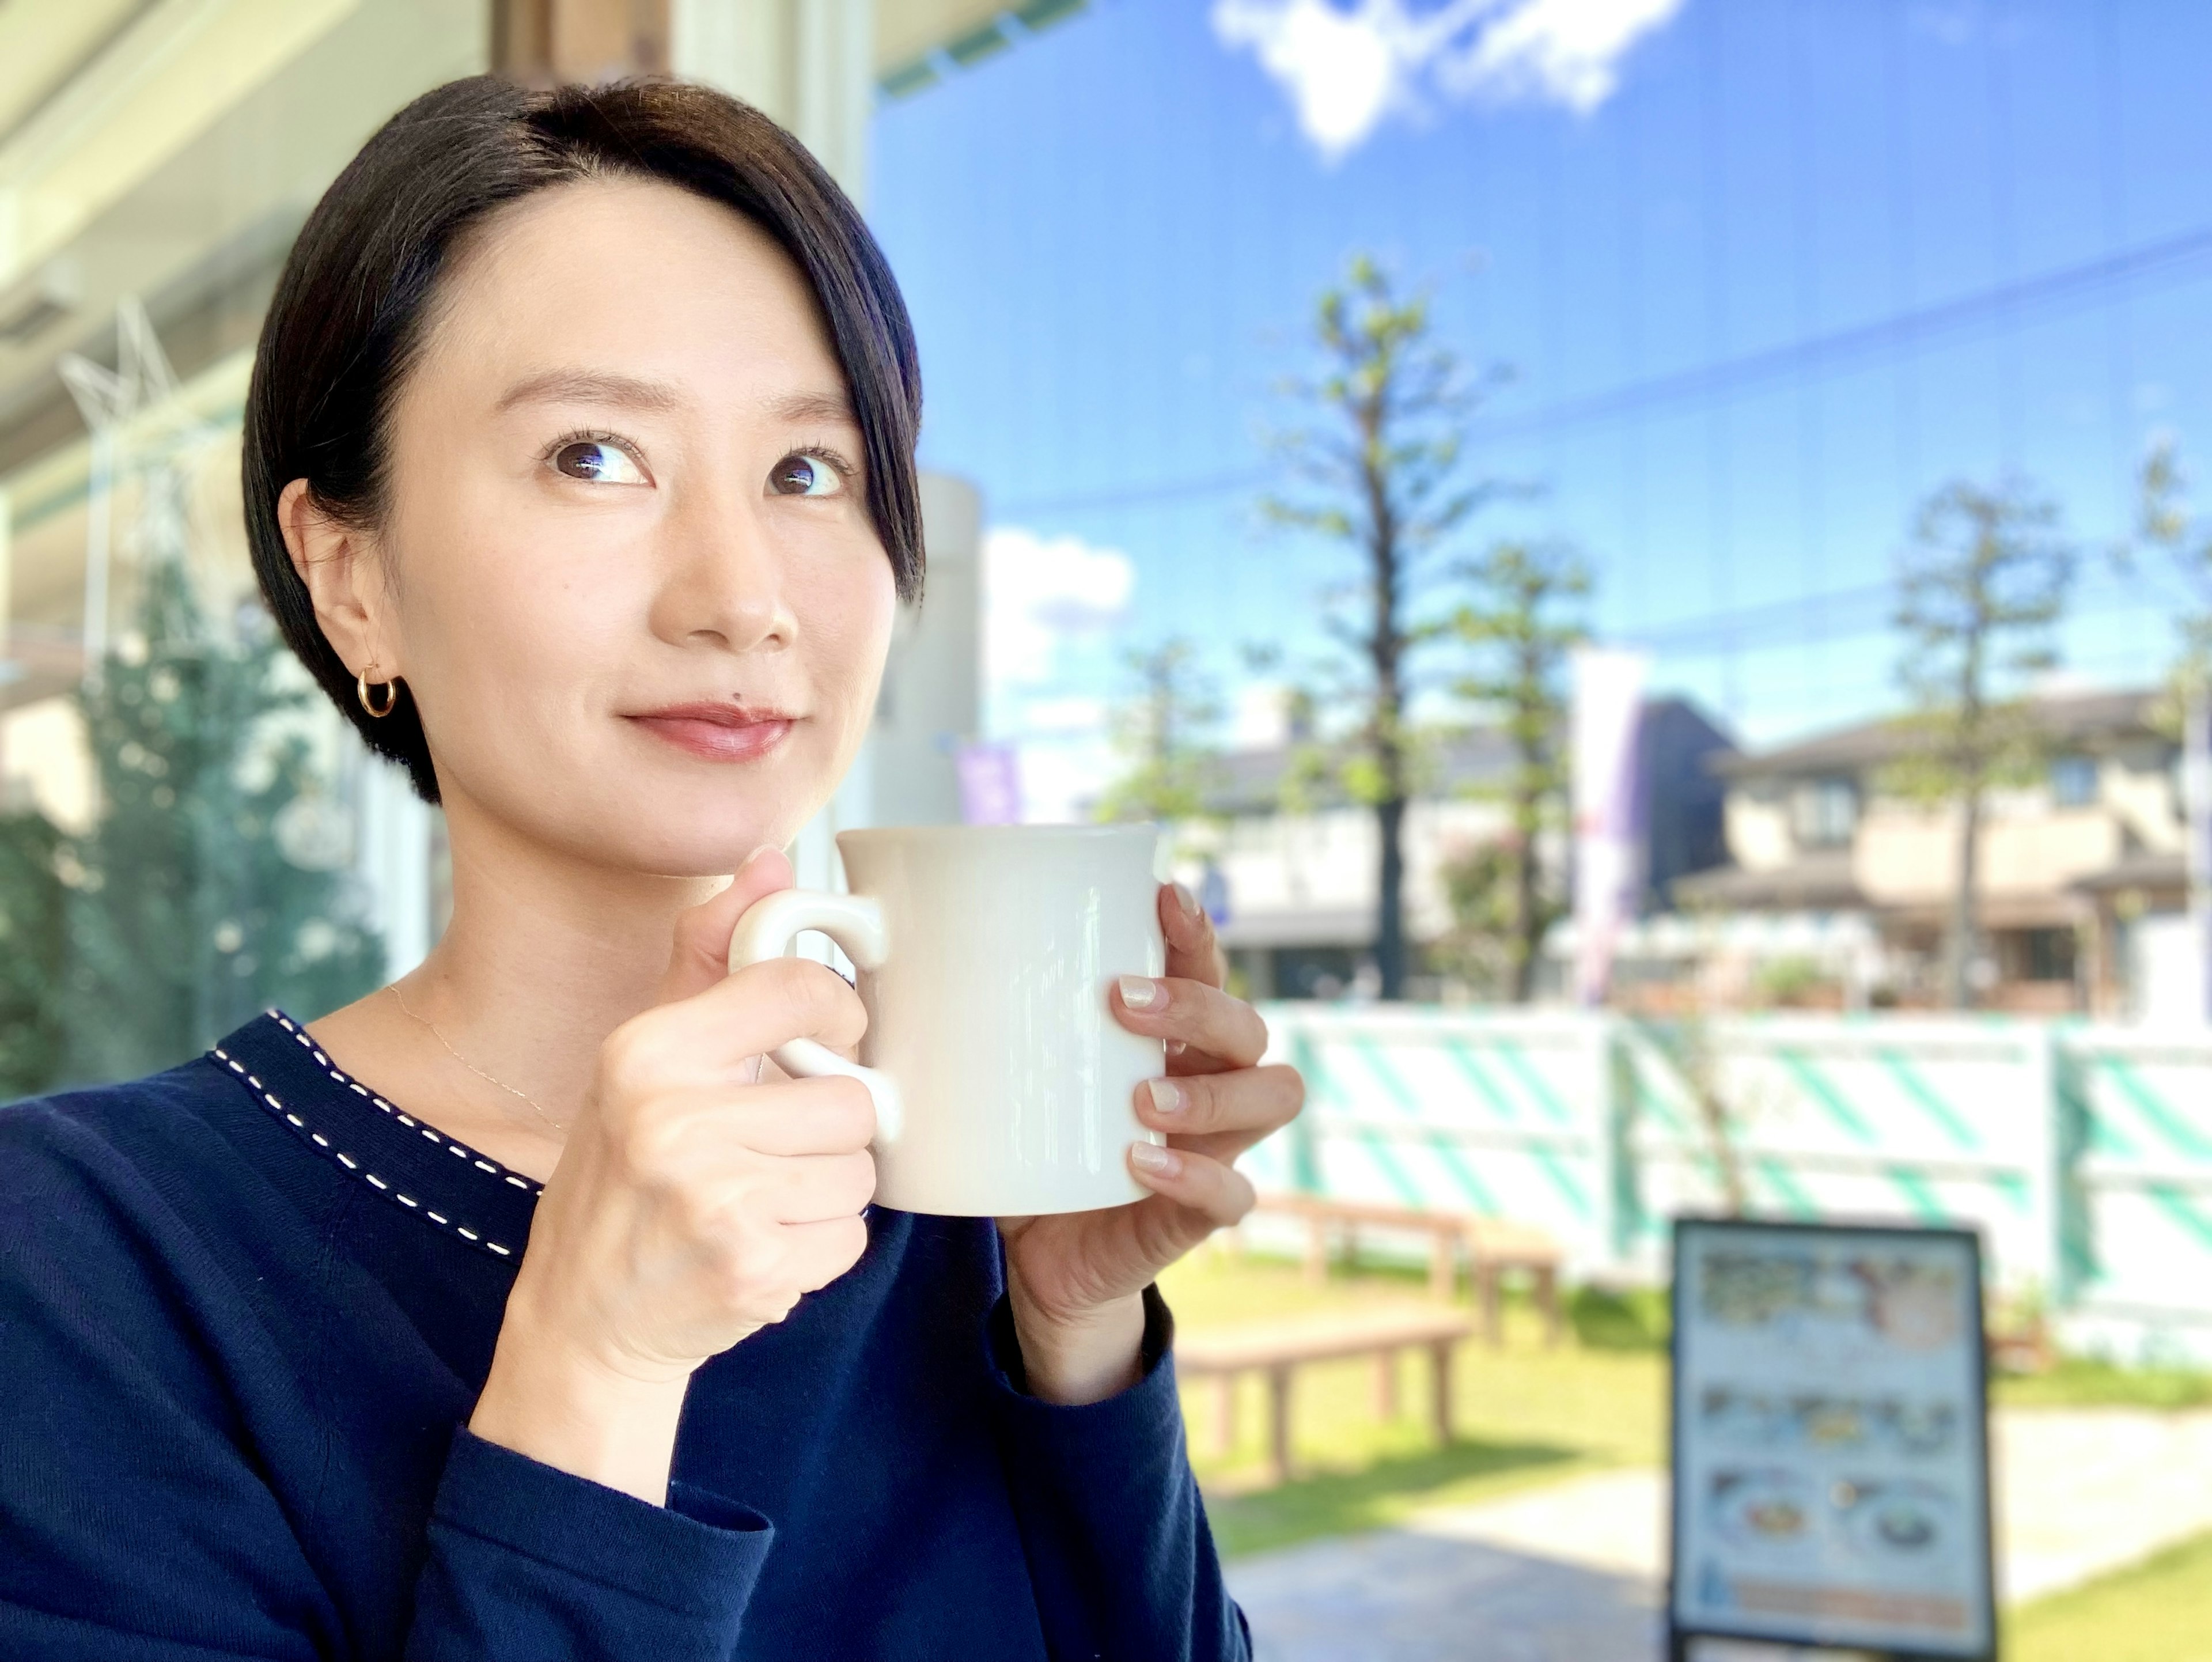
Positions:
(1527, 1415)
(2159, 1611)
(2082, 1382)
(1522, 1415)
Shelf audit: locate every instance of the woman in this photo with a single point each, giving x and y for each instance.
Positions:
(517, 1310)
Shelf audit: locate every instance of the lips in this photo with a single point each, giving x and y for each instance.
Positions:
(718, 733)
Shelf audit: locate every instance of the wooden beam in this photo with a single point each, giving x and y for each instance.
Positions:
(543, 43)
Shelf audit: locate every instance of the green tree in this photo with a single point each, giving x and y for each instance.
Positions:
(1163, 736)
(1478, 885)
(2167, 525)
(1979, 594)
(204, 890)
(1520, 640)
(30, 938)
(1379, 463)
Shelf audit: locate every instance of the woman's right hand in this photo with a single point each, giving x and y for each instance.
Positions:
(690, 1207)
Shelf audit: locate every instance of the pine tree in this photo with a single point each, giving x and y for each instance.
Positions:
(1381, 472)
(1163, 734)
(31, 936)
(204, 892)
(1518, 680)
(1979, 596)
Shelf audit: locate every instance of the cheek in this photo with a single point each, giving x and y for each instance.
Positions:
(845, 608)
(503, 615)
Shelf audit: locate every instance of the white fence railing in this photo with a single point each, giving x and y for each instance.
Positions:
(2082, 1154)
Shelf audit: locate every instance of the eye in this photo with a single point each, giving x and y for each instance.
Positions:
(805, 473)
(598, 461)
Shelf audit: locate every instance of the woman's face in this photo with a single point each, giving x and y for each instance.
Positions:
(630, 574)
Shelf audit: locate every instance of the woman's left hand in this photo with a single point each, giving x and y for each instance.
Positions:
(1076, 1279)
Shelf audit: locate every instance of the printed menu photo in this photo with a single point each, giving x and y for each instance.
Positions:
(1831, 1442)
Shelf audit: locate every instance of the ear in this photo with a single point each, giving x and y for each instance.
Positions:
(343, 572)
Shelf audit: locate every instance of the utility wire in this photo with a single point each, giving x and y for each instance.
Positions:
(1838, 614)
(1996, 45)
(1897, 77)
(1720, 479)
(2119, 332)
(2177, 258)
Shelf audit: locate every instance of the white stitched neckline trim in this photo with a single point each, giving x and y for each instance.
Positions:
(475, 1237)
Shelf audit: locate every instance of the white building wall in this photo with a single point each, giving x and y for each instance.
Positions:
(931, 690)
(46, 761)
(1312, 880)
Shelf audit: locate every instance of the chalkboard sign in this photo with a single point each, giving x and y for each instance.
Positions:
(1831, 1439)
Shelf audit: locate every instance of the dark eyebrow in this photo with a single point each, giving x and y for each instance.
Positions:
(591, 387)
(813, 406)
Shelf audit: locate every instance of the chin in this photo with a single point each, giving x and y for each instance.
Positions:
(705, 833)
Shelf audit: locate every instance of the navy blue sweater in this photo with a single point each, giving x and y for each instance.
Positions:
(247, 1306)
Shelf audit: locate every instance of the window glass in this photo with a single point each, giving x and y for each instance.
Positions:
(2047, 954)
(2073, 781)
(1823, 812)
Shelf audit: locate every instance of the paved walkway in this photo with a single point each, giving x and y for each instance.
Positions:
(1572, 1573)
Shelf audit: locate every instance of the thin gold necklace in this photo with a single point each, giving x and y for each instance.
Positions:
(559, 1130)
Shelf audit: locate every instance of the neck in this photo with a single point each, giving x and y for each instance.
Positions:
(546, 955)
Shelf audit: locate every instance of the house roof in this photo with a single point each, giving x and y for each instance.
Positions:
(2141, 870)
(1817, 883)
(2070, 718)
(1251, 781)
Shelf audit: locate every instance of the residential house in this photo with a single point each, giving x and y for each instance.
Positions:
(2081, 881)
(1294, 886)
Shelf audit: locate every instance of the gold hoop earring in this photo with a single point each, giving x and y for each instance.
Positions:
(391, 694)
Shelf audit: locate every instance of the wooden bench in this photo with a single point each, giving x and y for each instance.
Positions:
(1492, 1245)
(1276, 1349)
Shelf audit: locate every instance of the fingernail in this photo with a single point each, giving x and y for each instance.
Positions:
(1187, 900)
(1151, 1157)
(1139, 992)
(1168, 1097)
(746, 863)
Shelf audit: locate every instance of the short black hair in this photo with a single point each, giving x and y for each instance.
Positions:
(348, 314)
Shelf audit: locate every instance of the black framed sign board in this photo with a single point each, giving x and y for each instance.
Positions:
(1831, 1441)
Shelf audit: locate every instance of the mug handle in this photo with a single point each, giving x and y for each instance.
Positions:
(855, 922)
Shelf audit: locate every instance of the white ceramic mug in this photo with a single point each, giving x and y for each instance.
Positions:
(1002, 1085)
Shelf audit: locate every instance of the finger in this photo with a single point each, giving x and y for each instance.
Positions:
(818, 1188)
(1193, 1014)
(816, 1254)
(1257, 1100)
(700, 956)
(719, 1030)
(1218, 1193)
(828, 1116)
(1193, 952)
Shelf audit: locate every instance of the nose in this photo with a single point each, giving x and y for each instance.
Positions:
(722, 579)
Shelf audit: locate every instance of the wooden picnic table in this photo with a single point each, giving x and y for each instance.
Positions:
(1278, 1348)
(1492, 1247)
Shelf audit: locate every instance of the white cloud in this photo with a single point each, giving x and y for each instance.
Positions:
(1345, 70)
(1568, 51)
(1052, 610)
(1040, 596)
(1078, 712)
(1340, 68)
(1261, 715)
(1063, 777)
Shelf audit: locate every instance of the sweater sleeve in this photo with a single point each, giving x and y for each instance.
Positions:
(1119, 1554)
(140, 1520)
(526, 1561)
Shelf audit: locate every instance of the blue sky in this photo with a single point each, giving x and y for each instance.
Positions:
(1765, 272)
